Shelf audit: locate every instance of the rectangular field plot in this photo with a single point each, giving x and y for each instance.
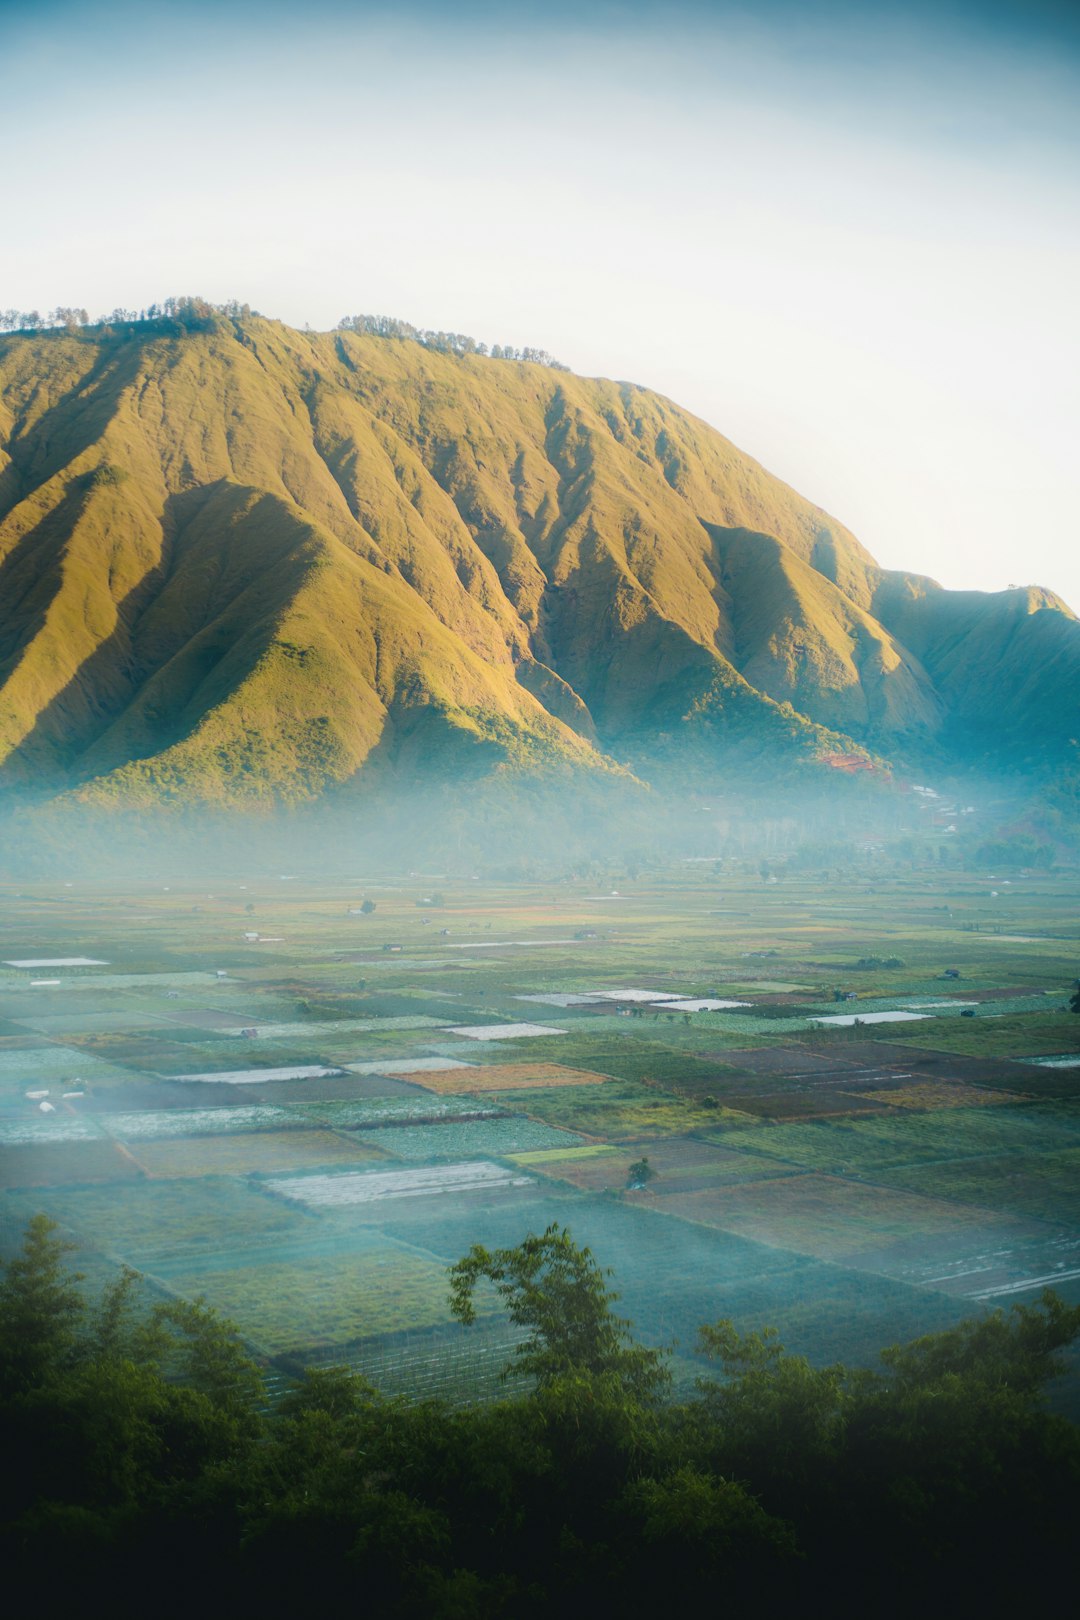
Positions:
(826, 1216)
(146, 1222)
(51, 1164)
(503, 1032)
(256, 1077)
(559, 1156)
(52, 1063)
(42, 1128)
(408, 1066)
(830, 1313)
(622, 1056)
(345, 1191)
(638, 1243)
(678, 1165)
(325, 1299)
(1045, 1186)
(414, 1108)
(559, 998)
(501, 1136)
(927, 1095)
(673, 1276)
(869, 1145)
(506, 1077)
(347, 1027)
(839, 1020)
(55, 962)
(171, 1052)
(92, 1023)
(986, 1036)
(256, 1153)
(445, 1361)
(799, 1102)
(148, 1126)
(622, 1110)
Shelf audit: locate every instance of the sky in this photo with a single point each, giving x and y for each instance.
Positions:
(848, 236)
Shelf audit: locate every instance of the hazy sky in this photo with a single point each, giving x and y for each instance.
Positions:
(849, 237)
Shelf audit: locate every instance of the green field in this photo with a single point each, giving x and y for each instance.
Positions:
(850, 1184)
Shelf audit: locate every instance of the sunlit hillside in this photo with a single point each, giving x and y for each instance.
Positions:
(242, 564)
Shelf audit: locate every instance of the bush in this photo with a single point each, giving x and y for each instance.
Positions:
(108, 476)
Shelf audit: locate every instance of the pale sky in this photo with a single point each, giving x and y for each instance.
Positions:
(848, 238)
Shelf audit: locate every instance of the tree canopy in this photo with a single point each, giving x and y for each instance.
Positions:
(152, 1463)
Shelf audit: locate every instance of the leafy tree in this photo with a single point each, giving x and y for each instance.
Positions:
(41, 1309)
(640, 1173)
(556, 1291)
(773, 1418)
(367, 907)
(1018, 1351)
(335, 1392)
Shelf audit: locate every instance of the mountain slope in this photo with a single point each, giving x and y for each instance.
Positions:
(243, 564)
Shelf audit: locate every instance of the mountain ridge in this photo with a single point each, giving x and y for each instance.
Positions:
(241, 565)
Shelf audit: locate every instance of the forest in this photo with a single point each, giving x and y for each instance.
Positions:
(158, 1468)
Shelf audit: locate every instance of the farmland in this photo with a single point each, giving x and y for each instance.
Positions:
(307, 1126)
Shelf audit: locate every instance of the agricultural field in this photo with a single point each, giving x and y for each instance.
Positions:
(849, 1109)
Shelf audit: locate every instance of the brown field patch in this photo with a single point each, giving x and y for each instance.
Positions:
(788, 1060)
(504, 1077)
(679, 1165)
(808, 1102)
(826, 1216)
(255, 1153)
(50, 1164)
(931, 1094)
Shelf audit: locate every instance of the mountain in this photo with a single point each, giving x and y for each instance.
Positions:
(243, 565)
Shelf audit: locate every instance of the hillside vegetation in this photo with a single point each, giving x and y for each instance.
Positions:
(241, 564)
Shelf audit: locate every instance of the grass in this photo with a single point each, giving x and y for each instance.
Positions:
(622, 1110)
(325, 1299)
(870, 1144)
(1044, 1185)
(1039, 1034)
(477, 1138)
(145, 1221)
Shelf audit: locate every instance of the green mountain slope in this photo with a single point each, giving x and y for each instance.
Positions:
(243, 564)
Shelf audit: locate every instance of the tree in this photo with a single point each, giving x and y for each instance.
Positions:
(558, 1293)
(41, 1309)
(640, 1174)
(1074, 1004)
(367, 907)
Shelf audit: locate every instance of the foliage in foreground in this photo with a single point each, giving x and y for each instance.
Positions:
(151, 1467)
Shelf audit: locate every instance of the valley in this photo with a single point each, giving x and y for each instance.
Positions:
(254, 1091)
